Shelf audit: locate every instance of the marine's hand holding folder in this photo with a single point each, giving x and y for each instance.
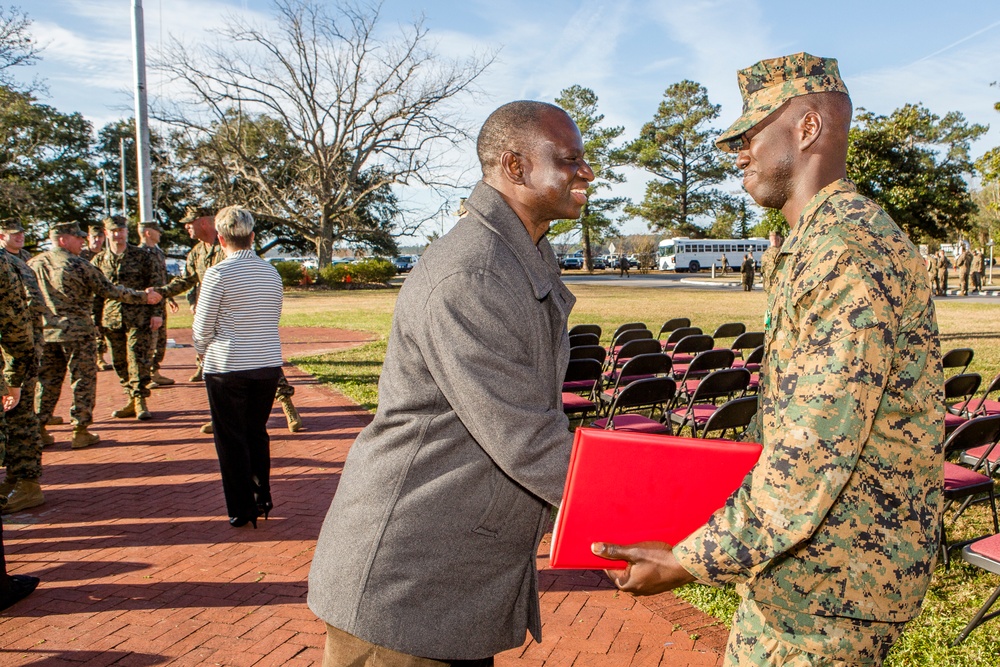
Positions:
(652, 567)
(626, 488)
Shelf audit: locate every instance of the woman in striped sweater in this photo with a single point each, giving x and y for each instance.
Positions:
(236, 332)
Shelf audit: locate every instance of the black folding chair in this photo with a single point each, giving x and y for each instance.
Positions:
(747, 341)
(958, 389)
(960, 357)
(639, 367)
(677, 334)
(735, 414)
(726, 384)
(589, 352)
(672, 325)
(581, 376)
(628, 326)
(585, 329)
(963, 484)
(647, 395)
(577, 340)
(686, 348)
(729, 330)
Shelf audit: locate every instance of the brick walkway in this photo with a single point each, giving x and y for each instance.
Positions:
(139, 566)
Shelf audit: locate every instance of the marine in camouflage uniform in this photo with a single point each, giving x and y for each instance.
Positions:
(94, 245)
(149, 233)
(69, 285)
(18, 354)
(943, 264)
(977, 271)
(127, 327)
(932, 269)
(832, 536)
(962, 265)
(201, 224)
(24, 440)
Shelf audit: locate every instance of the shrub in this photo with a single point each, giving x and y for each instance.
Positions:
(291, 273)
(365, 271)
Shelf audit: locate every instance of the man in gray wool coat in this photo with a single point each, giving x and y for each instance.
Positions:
(427, 555)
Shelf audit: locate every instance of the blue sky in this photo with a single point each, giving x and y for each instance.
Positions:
(944, 55)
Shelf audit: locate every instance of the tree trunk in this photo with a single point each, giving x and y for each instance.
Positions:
(588, 264)
(324, 241)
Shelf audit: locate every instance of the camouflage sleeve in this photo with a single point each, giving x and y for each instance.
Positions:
(104, 288)
(15, 330)
(827, 397)
(184, 282)
(157, 276)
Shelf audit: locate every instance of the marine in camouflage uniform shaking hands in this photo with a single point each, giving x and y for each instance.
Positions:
(832, 536)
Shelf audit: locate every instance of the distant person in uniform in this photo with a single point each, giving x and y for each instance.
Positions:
(94, 245)
(150, 233)
(747, 271)
(831, 539)
(932, 272)
(725, 264)
(976, 269)
(962, 265)
(623, 266)
(943, 264)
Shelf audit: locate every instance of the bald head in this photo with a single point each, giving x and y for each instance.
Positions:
(513, 127)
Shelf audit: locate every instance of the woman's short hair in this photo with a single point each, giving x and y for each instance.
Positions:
(235, 225)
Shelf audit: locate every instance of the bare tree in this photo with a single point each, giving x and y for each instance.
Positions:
(16, 45)
(319, 116)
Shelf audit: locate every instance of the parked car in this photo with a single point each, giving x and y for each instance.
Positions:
(572, 262)
(405, 262)
(598, 263)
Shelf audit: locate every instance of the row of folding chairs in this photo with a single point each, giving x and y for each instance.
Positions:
(970, 480)
(961, 401)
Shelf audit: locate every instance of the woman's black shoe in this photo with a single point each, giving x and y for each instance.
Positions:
(264, 504)
(240, 521)
(19, 587)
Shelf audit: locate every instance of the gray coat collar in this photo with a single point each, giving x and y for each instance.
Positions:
(539, 262)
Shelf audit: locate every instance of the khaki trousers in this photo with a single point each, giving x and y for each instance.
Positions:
(346, 650)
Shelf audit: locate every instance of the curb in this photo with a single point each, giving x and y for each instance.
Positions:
(732, 285)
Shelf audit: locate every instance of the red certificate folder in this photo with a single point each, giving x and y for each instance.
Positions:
(631, 487)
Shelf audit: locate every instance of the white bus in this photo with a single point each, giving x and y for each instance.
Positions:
(684, 254)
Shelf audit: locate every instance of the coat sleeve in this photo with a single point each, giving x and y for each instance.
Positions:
(839, 365)
(485, 351)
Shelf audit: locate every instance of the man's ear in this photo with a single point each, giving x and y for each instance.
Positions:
(512, 167)
(809, 129)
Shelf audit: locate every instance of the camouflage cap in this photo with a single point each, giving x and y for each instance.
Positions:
(768, 84)
(96, 230)
(11, 226)
(150, 225)
(115, 222)
(73, 228)
(195, 212)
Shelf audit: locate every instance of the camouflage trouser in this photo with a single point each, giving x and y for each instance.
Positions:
(81, 357)
(98, 312)
(130, 357)
(935, 284)
(3, 448)
(942, 282)
(766, 635)
(284, 389)
(963, 282)
(158, 349)
(24, 440)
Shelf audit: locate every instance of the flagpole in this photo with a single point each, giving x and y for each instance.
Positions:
(145, 190)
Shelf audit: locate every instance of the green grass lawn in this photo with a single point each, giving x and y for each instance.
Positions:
(954, 595)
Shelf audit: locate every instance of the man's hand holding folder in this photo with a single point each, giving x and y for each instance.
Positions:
(651, 567)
